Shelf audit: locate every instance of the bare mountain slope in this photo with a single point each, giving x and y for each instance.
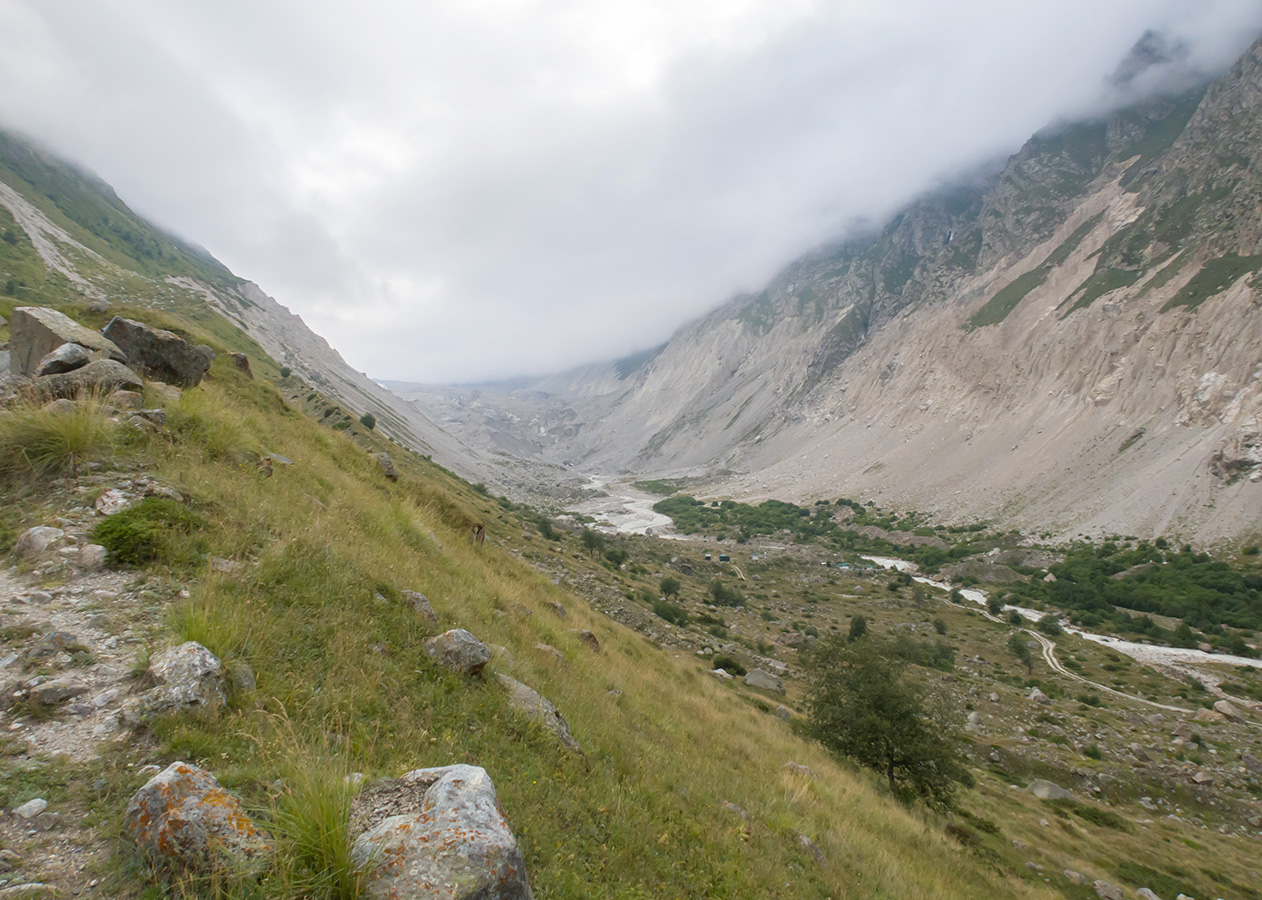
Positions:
(1073, 344)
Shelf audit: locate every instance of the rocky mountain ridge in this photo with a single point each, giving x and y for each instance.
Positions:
(1071, 345)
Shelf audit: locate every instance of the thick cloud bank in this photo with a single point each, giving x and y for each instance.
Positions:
(453, 191)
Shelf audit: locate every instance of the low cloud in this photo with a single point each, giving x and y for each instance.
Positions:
(461, 191)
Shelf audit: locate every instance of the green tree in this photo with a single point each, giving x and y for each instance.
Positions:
(1021, 650)
(858, 628)
(669, 586)
(592, 541)
(862, 706)
(994, 605)
(939, 625)
(285, 371)
(368, 420)
(1050, 625)
(616, 555)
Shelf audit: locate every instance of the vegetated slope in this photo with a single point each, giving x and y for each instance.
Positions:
(69, 238)
(298, 570)
(1072, 343)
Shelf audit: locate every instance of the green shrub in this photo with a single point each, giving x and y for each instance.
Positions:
(155, 529)
(729, 665)
(676, 615)
(368, 420)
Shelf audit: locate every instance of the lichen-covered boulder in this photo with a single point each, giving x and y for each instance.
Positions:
(764, 681)
(189, 679)
(534, 705)
(35, 541)
(160, 354)
(458, 847)
(459, 651)
(36, 331)
(101, 376)
(183, 818)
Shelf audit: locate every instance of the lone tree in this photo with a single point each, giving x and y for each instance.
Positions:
(862, 706)
(593, 541)
(858, 628)
(1021, 650)
(368, 420)
(669, 586)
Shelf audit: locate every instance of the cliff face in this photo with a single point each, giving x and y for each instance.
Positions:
(1072, 343)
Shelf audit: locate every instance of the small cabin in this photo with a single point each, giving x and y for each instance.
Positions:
(708, 557)
(723, 557)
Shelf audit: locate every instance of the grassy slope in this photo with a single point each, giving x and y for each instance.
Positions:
(329, 544)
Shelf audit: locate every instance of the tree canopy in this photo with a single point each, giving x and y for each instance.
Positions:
(863, 706)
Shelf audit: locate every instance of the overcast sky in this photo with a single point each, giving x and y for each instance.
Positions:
(456, 190)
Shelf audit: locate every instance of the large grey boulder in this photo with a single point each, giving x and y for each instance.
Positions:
(101, 376)
(160, 354)
(183, 818)
(459, 651)
(534, 705)
(35, 541)
(36, 331)
(189, 679)
(764, 681)
(65, 358)
(458, 846)
(1046, 790)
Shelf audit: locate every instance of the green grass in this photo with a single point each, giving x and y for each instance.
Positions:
(1214, 277)
(36, 441)
(1100, 283)
(1006, 299)
(663, 487)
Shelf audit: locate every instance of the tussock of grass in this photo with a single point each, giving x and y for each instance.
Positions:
(40, 441)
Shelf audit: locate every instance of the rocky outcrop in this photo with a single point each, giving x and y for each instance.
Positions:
(65, 358)
(36, 331)
(538, 708)
(160, 354)
(189, 678)
(457, 847)
(182, 818)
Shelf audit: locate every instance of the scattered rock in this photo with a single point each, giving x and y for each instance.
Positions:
(243, 680)
(974, 721)
(241, 363)
(799, 769)
(9, 860)
(1039, 697)
(1203, 777)
(58, 691)
(614, 694)
(764, 681)
(182, 817)
(459, 651)
(552, 653)
(189, 679)
(31, 808)
(386, 466)
(159, 353)
(36, 331)
(537, 707)
(35, 541)
(1209, 715)
(223, 566)
(586, 637)
(1251, 764)
(125, 400)
(729, 806)
(65, 358)
(993, 698)
(809, 846)
(32, 890)
(101, 376)
(1225, 709)
(1075, 877)
(558, 608)
(1046, 790)
(52, 644)
(1106, 891)
(420, 603)
(92, 557)
(458, 847)
(783, 712)
(1145, 894)
(721, 674)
